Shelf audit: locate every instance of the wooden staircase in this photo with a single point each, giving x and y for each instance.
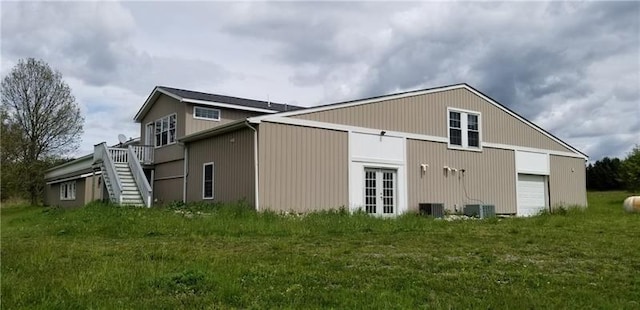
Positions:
(122, 173)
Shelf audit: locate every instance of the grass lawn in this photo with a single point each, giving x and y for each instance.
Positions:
(115, 257)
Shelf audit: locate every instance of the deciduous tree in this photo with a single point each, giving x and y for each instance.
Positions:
(41, 121)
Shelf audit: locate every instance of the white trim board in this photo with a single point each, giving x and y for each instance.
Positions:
(258, 119)
(408, 135)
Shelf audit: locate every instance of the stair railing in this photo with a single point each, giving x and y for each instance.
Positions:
(101, 153)
(118, 155)
(139, 177)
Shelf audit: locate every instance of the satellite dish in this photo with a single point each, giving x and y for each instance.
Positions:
(122, 138)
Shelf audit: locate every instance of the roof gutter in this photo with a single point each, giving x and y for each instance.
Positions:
(71, 162)
(232, 126)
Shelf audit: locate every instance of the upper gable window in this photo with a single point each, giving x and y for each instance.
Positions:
(206, 113)
(464, 129)
(165, 130)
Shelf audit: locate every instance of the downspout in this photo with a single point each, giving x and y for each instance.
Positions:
(184, 173)
(255, 163)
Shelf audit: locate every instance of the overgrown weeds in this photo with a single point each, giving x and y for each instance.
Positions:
(229, 256)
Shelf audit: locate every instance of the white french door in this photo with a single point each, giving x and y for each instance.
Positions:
(380, 191)
(149, 135)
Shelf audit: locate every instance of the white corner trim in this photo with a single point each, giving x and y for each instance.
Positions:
(227, 105)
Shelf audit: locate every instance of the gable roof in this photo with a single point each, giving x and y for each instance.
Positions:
(215, 100)
(351, 103)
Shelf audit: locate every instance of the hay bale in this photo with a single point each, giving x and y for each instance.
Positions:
(632, 204)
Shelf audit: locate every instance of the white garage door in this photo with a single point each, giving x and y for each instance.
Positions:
(531, 194)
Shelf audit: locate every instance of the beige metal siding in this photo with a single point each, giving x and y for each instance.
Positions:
(302, 169)
(165, 106)
(52, 195)
(567, 181)
(167, 183)
(193, 125)
(169, 170)
(233, 169)
(427, 114)
(167, 190)
(489, 177)
(93, 188)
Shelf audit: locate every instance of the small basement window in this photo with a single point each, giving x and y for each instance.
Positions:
(206, 113)
(464, 129)
(68, 190)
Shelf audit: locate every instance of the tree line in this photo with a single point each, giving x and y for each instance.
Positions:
(615, 174)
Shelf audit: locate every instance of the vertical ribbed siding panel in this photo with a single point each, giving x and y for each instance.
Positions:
(89, 189)
(167, 184)
(193, 125)
(427, 114)
(302, 169)
(233, 167)
(489, 177)
(169, 169)
(567, 181)
(167, 190)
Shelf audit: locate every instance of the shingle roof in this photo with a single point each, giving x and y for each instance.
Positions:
(194, 95)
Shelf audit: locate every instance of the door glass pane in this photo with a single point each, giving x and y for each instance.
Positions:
(370, 191)
(388, 192)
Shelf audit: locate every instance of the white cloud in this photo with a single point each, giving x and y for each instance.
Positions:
(572, 67)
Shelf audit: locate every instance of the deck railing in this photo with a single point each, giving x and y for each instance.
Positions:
(144, 153)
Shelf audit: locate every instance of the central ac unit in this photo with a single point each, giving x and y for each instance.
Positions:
(432, 209)
(481, 211)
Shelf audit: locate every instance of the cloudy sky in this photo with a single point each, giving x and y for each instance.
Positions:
(572, 68)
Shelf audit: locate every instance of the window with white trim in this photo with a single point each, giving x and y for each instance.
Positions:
(464, 129)
(207, 181)
(165, 130)
(206, 113)
(68, 190)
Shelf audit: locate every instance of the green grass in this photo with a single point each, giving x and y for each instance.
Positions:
(231, 257)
